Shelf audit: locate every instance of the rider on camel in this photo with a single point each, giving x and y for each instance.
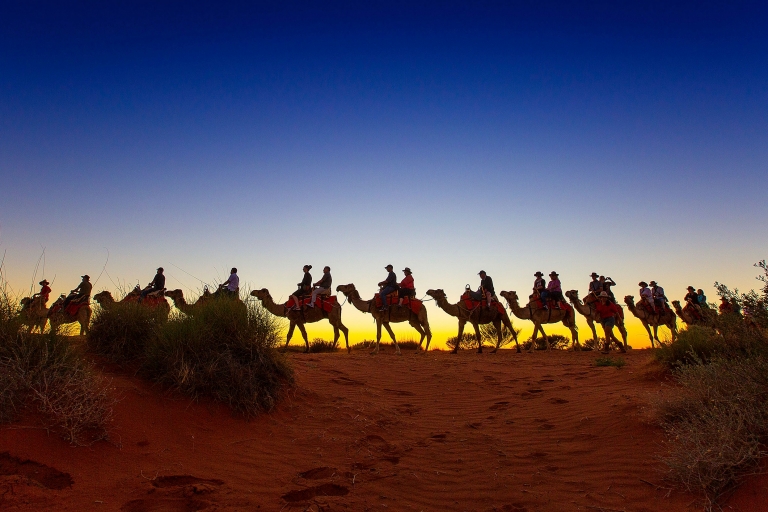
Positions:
(232, 285)
(595, 286)
(407, 288)
(485, 291)
(303, 288)
(554, 291)
(647, 295)
(44, 293)
(539, 285)
(692, 298)
(80, 294)
(702, 299)
(387, 286)
(725, 306)
(607, 283)
(322, 287)
(658, 296)
(157, 284)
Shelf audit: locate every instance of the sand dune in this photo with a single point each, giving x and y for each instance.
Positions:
(506, 432)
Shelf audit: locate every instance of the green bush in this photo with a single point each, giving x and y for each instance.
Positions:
(226, 351)
(618, 362)
(122, 331)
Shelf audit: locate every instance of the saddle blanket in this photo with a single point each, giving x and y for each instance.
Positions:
(539, 304)
(72, 308)
(414, 304)
(322, 301)
(472, 304)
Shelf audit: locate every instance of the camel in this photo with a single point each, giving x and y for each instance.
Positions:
(177, 296)
(590, 313)
(394, 313)
(34, 313)
(83, 317)
(105, 300)
(304, 316)
(542, 316)
(686, 316)
(668, 318)
(477, 316)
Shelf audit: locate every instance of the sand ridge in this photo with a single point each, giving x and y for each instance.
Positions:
(508, 432)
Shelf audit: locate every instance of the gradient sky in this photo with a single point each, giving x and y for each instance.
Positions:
(625, 138)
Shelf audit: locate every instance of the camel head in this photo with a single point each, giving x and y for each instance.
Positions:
(676, 304)
(175, 295)
(629, 300)
(26, 301)
(438, 294)
(103, 297)
(573, 295)
(510, 296)
(261, 294)
(346, 289)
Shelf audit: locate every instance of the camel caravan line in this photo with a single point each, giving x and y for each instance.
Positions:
(396, 302)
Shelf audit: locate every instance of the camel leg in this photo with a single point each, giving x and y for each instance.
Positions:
(656, 334)
(497, 325)
(648, 330)
(428, 332)
(458, 337)
(574, 337)
(378, 337)
(415, 325)
(290, 334)
(303, 331)
(344, 329)
(335, 336)
(392, 335)
(623, 331)
(591, 324)
(479, 340)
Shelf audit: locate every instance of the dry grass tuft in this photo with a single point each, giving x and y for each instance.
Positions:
(715, 423)
(122, 331)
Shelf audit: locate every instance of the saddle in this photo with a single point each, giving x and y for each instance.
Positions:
(324, 301)
(471, 304)
(394, 300)
(537, 303)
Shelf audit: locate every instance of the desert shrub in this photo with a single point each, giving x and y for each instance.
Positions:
(407, 344)
(467, 341)
(557, 341)
(715, 423)
(319, 345)
(122, 331)
(45, 370)
(227, 351)
(618, 362)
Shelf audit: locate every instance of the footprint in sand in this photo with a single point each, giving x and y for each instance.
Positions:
(318, 490)
(317, 473)
(48, 477)
(183, 480)
(164, 505)
(499, 406)
(400, 392)
(346, 381)
(557, 401)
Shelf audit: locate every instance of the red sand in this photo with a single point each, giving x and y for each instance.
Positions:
(507, 432)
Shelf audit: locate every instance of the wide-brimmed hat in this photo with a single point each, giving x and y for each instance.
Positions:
(604, 295)
(594, 274)
(44, 282)
(691, 288)
(481, 272)
(553, 273)
(389, 266)
(642, 283)
(408, 270)
(653, 283)
(538, 274)
(86, 276)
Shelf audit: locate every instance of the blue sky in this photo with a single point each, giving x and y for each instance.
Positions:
(626, 138)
